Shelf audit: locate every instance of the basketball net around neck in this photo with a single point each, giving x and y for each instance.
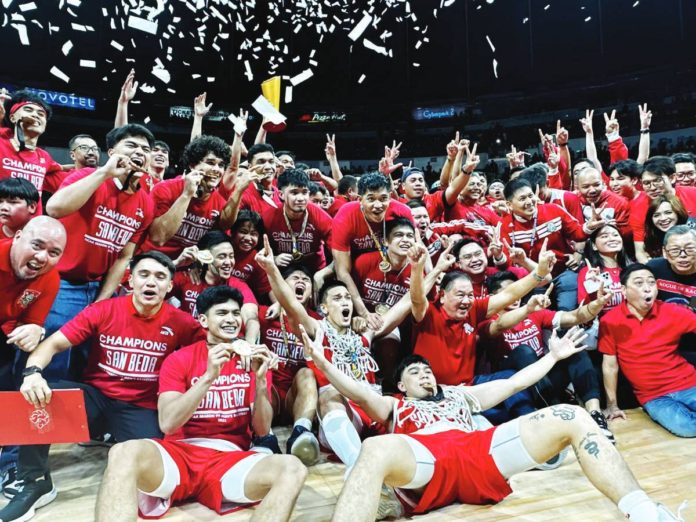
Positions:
(454, 409)
(350, 356)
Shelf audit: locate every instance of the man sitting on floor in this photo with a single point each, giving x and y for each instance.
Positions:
(209, 405)
(436, 457)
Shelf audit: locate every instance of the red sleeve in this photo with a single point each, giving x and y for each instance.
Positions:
(191, 330)
(555, 181)
(76, 175)
(259, 280)
(435, 204)
(54, 180)
(83, 325)
(37, 312)
(687, 195)
(571, 226)
(564, 173)
(582, 293)
(163, 197)
(148, 212)
(343, 229)
(247, 294)
(606, 340)
(617, 150)
(544, 318)
(481, 309)
(174, 371)
(572, 204)
(6, 133)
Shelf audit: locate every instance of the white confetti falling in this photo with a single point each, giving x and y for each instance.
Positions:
(55, 71)
(88, 63)
(22, 31)
(116, 45)
(495, 67)
(359, 29)
(588, 18)
(67, 46)
(374, 47)
(288, 94)
(635, 4)
(141, 24)
(362, 78)
(27, 7)
(490, 43)
(303, 76)
(146, 120)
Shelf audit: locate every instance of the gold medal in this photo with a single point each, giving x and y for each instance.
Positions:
(385, 266)
(205, 257)
(381, 308)
(241, 347)
(296, 255)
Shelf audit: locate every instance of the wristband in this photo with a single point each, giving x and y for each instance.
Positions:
(537, 276)
(563, 144)
(645, 131)
(31, 370)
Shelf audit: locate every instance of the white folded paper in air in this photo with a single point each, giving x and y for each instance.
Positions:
(265, 109)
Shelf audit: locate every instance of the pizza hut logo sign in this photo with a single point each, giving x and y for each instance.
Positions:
(27, 297)
(40, 419)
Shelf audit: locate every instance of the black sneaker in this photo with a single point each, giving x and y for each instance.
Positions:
(601, 421)
(266, 444)
(8, 477)
(11, 486)
(304, 445)
(32, 496)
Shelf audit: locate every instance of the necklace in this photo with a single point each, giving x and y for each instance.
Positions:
(296, 254)
(384, 265)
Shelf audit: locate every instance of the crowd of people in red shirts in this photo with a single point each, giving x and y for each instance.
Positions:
(436, 340)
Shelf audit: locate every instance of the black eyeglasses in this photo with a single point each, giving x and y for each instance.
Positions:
(87, 148)
(676, 252)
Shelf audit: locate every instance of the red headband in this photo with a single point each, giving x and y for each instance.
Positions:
(19, 105)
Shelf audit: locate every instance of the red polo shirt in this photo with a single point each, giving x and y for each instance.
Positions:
(647, 349)
(24, 301)
(450, 345)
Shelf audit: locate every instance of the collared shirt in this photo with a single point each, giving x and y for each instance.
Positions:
(647, 349)
(448, 344)
(24, 301)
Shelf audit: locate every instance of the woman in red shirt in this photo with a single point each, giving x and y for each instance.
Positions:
(664, 213)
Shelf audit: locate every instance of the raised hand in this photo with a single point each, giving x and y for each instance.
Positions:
(569, 344)
(129, 88)
(264, 257)
(539, 301)
(4, 96)
(187, 256)
(586, 122)
(561, 134)
(330, 148)
(192, 181)
(273, 311)
(611, 124)
(452, 147)
(602, 299)
(218, 356)
(312, 349)
(596, 220)
(417, 254)
(495, 246)
(516, 255)
(547, 258)
(200, 109)
(472, 160)
(446, 259)
(645, 116)
(239, 122)
(515, 158)
(386, 164)
(553, 160)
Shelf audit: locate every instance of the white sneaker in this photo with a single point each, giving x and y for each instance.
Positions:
(665, 515)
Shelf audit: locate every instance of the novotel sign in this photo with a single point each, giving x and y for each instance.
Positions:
(63, 99)
(441, 112)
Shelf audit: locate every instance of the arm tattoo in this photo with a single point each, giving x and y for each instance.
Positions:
(566, 413)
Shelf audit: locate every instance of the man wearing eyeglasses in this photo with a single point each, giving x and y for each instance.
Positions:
(685, 165)
(658, 179)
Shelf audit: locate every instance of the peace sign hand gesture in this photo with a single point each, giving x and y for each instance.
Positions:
(586, 122)
(611, 123)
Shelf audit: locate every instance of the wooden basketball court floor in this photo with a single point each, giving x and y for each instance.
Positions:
(665, 466)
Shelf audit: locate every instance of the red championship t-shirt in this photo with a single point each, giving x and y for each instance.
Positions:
(475, 214)
(200, 216)
(32, 165)
(351, 232)
(247, 270)
(24, 301)
(450, 345)
(282, 341)
(529, 332)
(375, 286)
(101, 228)
(127, 349)
(338, 202)
(254, 199)
(186, 291)
(310, 242)
(647, 349)
(225, 411)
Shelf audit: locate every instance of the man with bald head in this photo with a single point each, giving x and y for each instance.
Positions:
(594, 193)
(28, 283)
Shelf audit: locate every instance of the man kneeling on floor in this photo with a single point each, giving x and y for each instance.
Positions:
(209, 405)
(436, 457)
